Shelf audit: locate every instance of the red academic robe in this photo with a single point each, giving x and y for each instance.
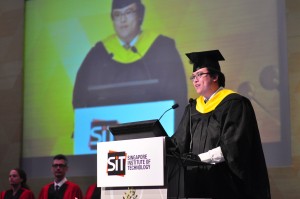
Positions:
(69, 190)
(93, 192)
(25, 194)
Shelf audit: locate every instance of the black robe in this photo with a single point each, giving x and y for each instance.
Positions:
(108, 76)
(231, 125)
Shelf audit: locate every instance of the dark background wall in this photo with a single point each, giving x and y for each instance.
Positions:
(284, 181)
(11, 55)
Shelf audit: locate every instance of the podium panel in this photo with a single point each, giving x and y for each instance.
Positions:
(131, 163)
(146, 168)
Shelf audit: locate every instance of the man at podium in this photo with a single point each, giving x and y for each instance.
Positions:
(220, 128)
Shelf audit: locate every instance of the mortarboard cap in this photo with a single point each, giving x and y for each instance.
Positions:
(208, 59)
(117, 4)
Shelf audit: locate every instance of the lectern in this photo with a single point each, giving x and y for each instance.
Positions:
(137, 165)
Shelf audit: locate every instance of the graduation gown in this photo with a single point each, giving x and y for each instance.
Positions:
(111, 74)
(21, 194)
(227, 121)
(93, 192)
(67, 191)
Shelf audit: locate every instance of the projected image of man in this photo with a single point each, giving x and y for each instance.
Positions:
(130, 66)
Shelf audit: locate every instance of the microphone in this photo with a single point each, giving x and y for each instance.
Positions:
(190, 124)
(173, 107)
(171, 144)
(135, 50)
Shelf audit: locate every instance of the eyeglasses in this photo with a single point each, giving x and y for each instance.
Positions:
(117, 16)
(197, 75)
(59, 165)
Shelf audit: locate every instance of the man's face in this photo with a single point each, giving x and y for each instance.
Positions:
(203, 83)
(59, 169)
(126, 22)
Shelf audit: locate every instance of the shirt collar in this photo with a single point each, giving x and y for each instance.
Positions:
(221, 88)
(61, 182)
(132, 43)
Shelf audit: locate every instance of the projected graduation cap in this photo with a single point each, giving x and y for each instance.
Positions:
(208, 59)
(117, 4)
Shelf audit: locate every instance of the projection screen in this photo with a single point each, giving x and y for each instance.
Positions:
(60, 33)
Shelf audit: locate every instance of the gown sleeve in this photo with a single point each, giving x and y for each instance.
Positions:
(241, 144)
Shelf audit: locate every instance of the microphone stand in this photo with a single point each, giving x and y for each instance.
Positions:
(190, 154)
(173, 107)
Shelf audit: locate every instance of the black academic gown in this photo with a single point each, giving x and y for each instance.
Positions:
(231, 125)
(108, 76)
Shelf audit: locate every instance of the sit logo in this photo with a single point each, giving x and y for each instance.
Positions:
(99, 132)
(116, 163)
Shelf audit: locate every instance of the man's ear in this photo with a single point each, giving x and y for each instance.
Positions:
(215, 78)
